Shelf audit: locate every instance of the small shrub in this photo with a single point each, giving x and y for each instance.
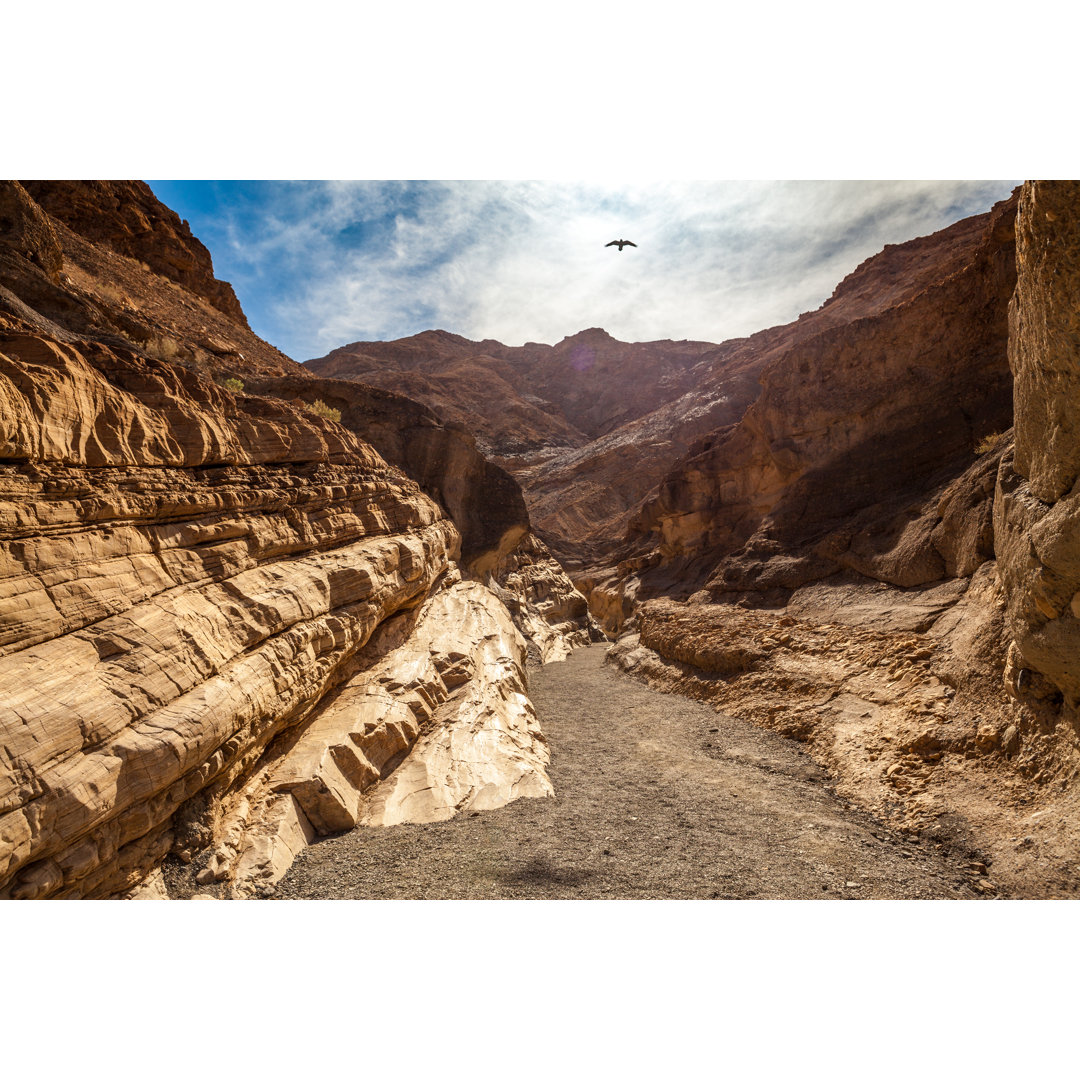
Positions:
(162, 348)
(235, 385)
(987, 442)
(320, 408)
(113, 295)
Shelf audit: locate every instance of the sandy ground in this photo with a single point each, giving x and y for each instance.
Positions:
(658, 797)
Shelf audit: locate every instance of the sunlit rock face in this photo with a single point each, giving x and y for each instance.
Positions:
(544, 603)
(1037, 511)
(176, 592)
(436, 721)
(196, 579)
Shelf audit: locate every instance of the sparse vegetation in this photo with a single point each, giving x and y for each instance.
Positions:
(235, 385)
(162, 348)
(320, 408)
(987, 442)
(115, 296)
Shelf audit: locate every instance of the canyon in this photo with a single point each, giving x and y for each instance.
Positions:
(821, 528)
(229, 607)
(247, 603)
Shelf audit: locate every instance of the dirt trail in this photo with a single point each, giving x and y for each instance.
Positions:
(658, 797)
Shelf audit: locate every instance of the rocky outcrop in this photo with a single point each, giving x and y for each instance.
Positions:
(224, 616)
(546, 607)
(1037, 510)
(165, 617)
(435, 722)
(874, 412)
(56, 282)
(26, 234)
(483, 500)
(126, 217)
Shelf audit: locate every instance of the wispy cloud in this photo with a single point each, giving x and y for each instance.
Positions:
(317, 265)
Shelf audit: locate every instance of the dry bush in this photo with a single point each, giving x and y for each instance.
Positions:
(115, 296)
(162, 348)
(320, 408)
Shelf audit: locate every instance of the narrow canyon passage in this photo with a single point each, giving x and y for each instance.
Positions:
(658, 797)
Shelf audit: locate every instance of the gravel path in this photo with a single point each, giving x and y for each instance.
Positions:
(658, 797)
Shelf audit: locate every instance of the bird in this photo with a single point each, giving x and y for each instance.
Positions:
(621, 243)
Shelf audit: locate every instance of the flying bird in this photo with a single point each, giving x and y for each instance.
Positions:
(621, 243)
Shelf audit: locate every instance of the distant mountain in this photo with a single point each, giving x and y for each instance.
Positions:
(590, 426)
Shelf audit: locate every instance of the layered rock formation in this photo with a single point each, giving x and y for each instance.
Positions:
(436, 721)
(125, 217)
(484, 501)
(225, 618)
(582, 425)
(546, 607)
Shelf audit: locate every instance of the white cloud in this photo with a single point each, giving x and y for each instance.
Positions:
(521, 260)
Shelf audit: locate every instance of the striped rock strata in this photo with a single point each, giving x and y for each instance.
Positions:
(197, 584)
(437, 721)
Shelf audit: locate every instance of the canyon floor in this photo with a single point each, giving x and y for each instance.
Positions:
(658, 797)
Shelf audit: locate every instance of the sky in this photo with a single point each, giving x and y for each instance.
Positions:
(318, 264)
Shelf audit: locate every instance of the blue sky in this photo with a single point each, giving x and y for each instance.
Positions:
(319, 264)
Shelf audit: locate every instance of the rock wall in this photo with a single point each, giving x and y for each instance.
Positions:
(57, 282)
(919, 635)
(125, 217)
(219, 610)
(181, 583)
(437, 721)
(546, 607)
(860, 452)
(855, 416)
(585, 426)
(484, 501)
(1037, 508)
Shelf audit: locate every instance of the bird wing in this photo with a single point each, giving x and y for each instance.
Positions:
(629, 243)
(612, 244)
